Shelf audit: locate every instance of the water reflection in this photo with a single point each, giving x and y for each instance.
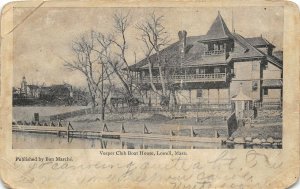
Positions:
(48, 141)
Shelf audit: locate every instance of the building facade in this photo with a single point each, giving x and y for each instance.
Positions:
(209, 69)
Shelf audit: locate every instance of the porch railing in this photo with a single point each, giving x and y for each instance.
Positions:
(213, 52)
(185, 78)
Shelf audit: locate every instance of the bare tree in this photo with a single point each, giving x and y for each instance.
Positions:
(87, 60)
(155, 38)
(116, 54)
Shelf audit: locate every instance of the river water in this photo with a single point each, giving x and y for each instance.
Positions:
(48, 141)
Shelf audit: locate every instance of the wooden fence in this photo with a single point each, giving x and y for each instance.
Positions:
(156, 109)
(140, 109)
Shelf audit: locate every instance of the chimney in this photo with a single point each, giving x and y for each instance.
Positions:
(182, 42)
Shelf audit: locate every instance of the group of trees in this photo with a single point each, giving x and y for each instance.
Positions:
(102, 57)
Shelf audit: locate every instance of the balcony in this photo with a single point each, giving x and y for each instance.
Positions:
(185, 78)
(214, 52)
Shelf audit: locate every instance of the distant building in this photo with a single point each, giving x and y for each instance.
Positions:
(54, 94)
(29, 91)
(58, 92)
(209, 69)
(16, 92)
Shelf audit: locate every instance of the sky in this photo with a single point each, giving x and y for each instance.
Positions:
(44, 39)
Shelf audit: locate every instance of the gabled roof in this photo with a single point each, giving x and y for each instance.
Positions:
(245, 51)
(274, 61)
(218, 30)
(172, 53)
(259, 42)
(278, 55)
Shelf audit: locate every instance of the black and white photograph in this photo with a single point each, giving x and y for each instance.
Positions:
(148, 78)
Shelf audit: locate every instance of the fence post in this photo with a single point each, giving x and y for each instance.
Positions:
(70, 125)
(105, 128)
(68, 134)
(122, 128)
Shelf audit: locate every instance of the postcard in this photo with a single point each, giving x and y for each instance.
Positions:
(149, 94)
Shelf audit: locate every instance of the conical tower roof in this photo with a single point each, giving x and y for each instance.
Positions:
(218, 30)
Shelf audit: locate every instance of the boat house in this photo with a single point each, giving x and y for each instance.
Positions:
(209, 69)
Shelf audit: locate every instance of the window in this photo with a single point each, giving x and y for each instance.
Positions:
(210, 47)
(202, 71)
(215, 47)
(197, 70)
(266, 66)
(254, 66)
(199, 93)
(217, 70)
(254, 85)
(233, 72)
(221, 47)
(266, 92)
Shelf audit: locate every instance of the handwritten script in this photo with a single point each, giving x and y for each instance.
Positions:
(223, 170)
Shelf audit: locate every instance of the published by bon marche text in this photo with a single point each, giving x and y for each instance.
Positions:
(143, 153)
(43, 159)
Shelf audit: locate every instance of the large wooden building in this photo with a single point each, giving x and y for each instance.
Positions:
(209, 69)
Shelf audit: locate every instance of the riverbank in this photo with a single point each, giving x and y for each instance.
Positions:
(261, 135)
(265, 129)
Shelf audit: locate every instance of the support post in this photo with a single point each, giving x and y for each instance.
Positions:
(229, 97)
(190, 94)
(217, 134)
(145, 130)
(208, 96)
(192, 132)
(218, 96)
